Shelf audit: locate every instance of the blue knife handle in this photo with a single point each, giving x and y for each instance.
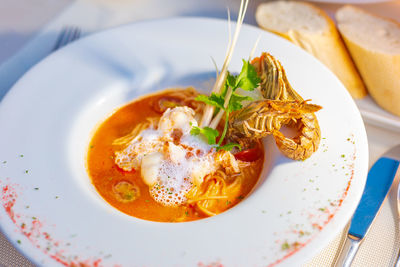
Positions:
(379, 181)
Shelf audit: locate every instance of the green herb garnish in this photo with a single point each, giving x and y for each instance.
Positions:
(226, 102)
(285, 246)
(209, 133)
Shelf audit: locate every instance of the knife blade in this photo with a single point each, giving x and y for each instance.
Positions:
(379, 181)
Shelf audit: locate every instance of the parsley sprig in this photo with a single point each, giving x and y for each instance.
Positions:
(226, 102)
(209, 133)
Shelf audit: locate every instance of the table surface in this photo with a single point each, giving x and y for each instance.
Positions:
(20, 20)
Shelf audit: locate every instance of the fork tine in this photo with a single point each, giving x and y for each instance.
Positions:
(67, 35)
(73, 34)
(60, 38)
(76, 35)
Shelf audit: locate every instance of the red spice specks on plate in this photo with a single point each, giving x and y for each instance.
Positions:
(329, 215)
(32, 230)
(213, 264)
(8, 199)
(291, 251)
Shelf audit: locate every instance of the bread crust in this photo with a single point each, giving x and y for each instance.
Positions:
(327, 46)
(380, 71)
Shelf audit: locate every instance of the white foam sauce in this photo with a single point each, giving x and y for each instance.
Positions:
(145, 143)
(183, 164)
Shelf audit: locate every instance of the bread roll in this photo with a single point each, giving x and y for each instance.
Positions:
(374, 44)
(310, 28)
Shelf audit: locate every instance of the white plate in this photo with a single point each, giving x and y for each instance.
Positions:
(54, 215)
(374, 114)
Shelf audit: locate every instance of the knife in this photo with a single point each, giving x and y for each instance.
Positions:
(379, 181)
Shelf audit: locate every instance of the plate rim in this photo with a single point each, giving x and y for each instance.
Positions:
(332, 233)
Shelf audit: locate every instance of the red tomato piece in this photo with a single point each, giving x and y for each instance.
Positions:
(249, 155)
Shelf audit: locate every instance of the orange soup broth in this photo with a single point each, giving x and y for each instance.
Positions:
(104, 173)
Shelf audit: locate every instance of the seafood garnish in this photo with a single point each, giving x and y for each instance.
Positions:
(275, 86)
(265, 117)
(282, 106)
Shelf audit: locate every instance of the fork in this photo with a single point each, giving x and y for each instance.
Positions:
(67, 35)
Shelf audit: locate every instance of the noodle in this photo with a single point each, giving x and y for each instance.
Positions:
(150, 123)
(187, 97)
(224, 185)
(220, 186)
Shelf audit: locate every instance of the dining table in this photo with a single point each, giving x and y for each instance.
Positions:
(28, 31)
